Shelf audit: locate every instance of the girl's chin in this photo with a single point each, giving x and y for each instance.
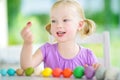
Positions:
(61, 40)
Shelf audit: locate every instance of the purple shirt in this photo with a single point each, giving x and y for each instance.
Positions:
(53, 59)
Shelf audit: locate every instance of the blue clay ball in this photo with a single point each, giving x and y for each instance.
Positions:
(3, 72)
(89, 72)
(11, 72)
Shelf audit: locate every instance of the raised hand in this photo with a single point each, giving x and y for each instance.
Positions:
(27, 34)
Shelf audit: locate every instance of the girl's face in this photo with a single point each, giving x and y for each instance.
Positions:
(65, 23)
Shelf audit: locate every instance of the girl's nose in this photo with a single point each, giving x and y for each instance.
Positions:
(59, 25)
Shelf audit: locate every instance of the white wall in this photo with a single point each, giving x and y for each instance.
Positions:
(3, 24)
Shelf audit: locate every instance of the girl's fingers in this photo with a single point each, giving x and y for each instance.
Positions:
(28, 37)
(26, 28)
(85, 65)
(96, 66)
(28, 25)
(25, 31)
(27, 34)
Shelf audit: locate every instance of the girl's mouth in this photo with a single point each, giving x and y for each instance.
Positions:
(60, 33)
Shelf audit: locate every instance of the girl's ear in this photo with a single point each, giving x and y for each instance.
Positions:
(81, 24)
(48, 27)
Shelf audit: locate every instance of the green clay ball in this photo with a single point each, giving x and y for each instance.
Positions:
(78, 72)
(29, 71)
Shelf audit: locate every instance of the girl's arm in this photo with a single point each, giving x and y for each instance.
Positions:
(26, 58)
(29, 60)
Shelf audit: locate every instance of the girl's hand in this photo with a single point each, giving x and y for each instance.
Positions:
(95, 66)
(27, 34)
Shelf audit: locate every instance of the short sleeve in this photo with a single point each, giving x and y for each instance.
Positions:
(91, 58)
(45, 48)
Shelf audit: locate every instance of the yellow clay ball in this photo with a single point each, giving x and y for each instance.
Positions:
(46, 72)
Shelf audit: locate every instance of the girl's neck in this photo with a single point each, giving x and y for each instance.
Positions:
(68, 49)
(66, 45)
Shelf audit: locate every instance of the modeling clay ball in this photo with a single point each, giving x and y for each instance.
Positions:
(29, 71)
(100, 73)
(118, 76)
(89, 72)
(57, 72)
(38, 70)
(3, 72)
(47, 72)
(111, 74)
(67, 72)
(11, 72)
(78, 72)
(29, 23)
(20, 72)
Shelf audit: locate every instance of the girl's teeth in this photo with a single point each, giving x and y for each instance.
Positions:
(60, 32)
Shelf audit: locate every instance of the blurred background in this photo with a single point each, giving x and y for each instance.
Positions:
(14, 14)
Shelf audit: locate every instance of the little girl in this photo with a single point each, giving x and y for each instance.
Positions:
(67, 19)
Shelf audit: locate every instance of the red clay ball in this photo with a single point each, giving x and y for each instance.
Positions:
(29, 23)
(57, 72)
(67, 73)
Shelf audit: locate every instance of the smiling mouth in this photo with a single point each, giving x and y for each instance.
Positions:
(60, 33)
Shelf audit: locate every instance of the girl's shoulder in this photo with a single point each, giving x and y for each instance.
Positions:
(49, 45)
(48, 49)
(86, 51)
(89, 55)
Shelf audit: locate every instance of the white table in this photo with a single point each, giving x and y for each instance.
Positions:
(34, 78)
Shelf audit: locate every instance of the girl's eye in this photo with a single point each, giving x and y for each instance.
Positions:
(53, 21)
(65, 20)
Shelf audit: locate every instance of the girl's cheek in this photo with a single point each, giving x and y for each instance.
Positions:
(53, 31)
(68, 24)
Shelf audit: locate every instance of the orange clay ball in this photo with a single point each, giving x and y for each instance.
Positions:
(67, 72)
(57, 72)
